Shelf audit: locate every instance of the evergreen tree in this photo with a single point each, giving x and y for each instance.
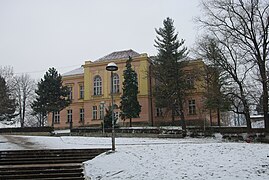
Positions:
(130, 106)
(7, 104)
(108, 118)
(51, 94)
(39, 110)
(171, 84)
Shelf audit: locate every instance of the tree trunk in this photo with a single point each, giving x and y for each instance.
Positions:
(173, 115)
(218, 116)
(265, 109)
(182, 117)
(20, 109)
(210, 117)
(43, 120)
(247, 115)
(52, 119)
(265, 91)
(184, 128)
(40, 120)
(245, 106)
(130, 122)
(238, 120)
(23, 111)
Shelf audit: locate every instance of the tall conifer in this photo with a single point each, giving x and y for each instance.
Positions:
(167, 69)
(51, 94)
(7, 103)
(130, 106)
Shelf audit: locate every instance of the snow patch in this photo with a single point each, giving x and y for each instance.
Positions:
(153, 158)
(218, 136)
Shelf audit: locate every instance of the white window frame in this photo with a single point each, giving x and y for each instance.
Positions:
(57, 117)
(159, 112)
(192, 107)
(69, 115)
(116, 83)
(81, 114)
(101, 112)
(94, 112)
(81, 91)
(97, 85)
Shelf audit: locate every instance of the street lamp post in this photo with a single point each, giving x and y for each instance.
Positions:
(103, 116)
(112, 67)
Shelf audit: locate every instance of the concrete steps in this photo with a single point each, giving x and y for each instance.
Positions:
(45, 164)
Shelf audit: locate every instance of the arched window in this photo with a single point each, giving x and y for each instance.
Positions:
(116, 83)
(97, 85)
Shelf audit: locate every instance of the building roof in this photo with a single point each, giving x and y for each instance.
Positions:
(77, 71)
(118, 55)
(112, 56)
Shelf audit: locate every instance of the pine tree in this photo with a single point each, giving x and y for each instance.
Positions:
(39, 109)
(51, 94)
(108, 118)
(130, 106)
(7, 103)
(167, 69)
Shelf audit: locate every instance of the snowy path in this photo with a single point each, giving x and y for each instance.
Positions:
(17, 142)
(150, 159)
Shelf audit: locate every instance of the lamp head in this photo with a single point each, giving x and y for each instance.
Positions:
(111, 67)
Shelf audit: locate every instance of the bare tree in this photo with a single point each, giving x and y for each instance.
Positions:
(24, 90)
(224, 55)
(215, 99)
(244, 23)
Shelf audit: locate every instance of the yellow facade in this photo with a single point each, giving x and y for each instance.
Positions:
(91, 104)
(90, 101)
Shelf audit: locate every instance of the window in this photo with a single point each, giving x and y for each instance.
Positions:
(101, 111)
(192, 107)
(116, 83)
(81, 115)
(97, 85)
(70, 92)
(190, 81)
(69, 115)
(81, 91)
(94, 112)
(57, 117)
(159, 112)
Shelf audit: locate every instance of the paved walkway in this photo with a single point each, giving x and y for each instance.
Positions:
(15, 142)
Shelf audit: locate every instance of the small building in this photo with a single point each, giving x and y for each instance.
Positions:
(90, 88)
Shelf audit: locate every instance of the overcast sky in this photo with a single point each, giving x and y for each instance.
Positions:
(38, 34)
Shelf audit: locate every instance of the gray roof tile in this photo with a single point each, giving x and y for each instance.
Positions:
(74, 72)
(119, 55)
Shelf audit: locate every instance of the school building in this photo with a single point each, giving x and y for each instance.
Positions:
(90, 91)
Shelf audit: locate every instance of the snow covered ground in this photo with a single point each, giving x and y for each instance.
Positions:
(148, 158)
